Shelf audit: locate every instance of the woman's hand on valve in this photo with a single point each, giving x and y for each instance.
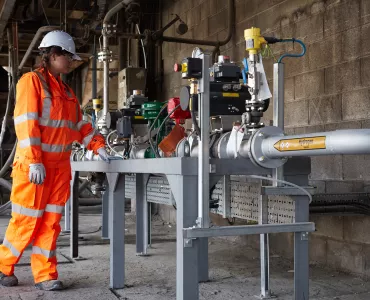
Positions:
(37, 173)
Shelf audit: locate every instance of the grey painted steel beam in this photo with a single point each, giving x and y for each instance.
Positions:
(189, 166)
(193, 233)
(116, 183)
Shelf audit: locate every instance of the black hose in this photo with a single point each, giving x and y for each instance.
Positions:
(8, 162)
(8, 186)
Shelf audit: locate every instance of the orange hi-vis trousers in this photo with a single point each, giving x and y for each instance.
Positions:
(36, 214)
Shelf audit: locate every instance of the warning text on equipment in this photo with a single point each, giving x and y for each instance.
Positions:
(306, 143)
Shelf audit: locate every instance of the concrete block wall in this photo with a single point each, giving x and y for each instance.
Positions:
(327, 89)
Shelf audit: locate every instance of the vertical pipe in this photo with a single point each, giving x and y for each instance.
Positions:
(94, 72)
(278, 111)
(203, 159)
(63, 15)
(105, 76)
(15, 55)
(74, 214)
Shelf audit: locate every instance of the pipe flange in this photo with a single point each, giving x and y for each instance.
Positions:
(219, 150)
(183, 148)
(256, 154)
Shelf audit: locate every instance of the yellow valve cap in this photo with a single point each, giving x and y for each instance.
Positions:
(252, 33)
(253, 39)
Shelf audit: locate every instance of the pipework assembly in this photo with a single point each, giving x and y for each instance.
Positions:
(183, 164)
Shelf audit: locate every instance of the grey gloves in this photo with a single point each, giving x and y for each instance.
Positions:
(37, 173)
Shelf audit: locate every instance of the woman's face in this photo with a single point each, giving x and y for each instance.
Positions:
(61, 64)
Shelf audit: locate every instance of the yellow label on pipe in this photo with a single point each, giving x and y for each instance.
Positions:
(230, 94)
(306, 143)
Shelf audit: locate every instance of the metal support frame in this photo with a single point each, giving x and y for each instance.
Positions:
(278, 111)
(203, 158)
(142, 215)
(116, 183)
(74, 214)
(192, 241)
(301, 255)
(264, 248)
(226, 199)
(105, 215)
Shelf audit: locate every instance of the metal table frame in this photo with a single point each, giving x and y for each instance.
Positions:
(192, 242)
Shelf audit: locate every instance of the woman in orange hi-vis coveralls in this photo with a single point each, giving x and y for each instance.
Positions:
(47, 120)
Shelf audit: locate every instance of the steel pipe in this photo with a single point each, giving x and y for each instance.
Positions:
(38, 34)
(116, 9)
(278, 111)
(231, 25)
(352, 141)
(107, 18)
(105, 78)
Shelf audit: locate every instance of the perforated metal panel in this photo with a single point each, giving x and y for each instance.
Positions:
(244, 198)
(158, 190)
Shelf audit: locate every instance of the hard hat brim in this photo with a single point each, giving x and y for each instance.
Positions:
(76, 57)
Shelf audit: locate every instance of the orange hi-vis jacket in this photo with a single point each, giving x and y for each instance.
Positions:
(47, 120)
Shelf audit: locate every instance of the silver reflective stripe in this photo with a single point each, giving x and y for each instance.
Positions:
(44, 84)
(12, 249)
(26, 117)
(56, 123)
(37, 213)
(46, 253)
(46, 108)
(29, 142)
(54, 208)
(46, 105)
(56, 148)
(87, 139)
(80, 124)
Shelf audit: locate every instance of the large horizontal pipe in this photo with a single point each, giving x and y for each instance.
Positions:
(352, 141)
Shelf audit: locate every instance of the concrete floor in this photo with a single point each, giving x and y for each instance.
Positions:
(231, 276)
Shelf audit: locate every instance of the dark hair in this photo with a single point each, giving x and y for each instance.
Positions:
(46, 53)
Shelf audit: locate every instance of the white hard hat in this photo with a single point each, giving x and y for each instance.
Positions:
(60, 39)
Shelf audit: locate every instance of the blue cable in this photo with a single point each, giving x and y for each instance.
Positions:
(245, 70)
(293, 54)
(93, 117)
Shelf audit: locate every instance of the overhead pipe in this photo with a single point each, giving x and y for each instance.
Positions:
(106, 59)
(231, 25)
(37, 36)
(157, 36)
